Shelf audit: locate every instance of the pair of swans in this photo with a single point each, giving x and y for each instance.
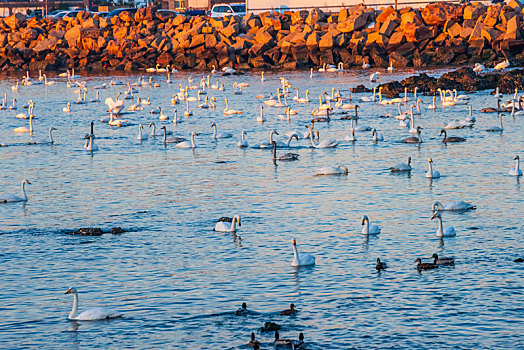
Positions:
(283, 157)
(227, 224)
(291, 136)
(328, 143)
(91, 314)
(11, 198)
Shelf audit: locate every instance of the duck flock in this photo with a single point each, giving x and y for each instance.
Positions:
(281, 121)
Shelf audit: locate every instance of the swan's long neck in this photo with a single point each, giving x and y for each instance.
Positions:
(165, 134)
(50, 135)
(289, 139)
(74, 310)
(311, 137)
(430, 170)
(440, 231)
(271, 137)
(31, 124)
(412, 118)
(366, 225)
(415, 94)
(234, 223)
(436, 206)
(23, 190)
(517, 166)
(295, 252)
(419, 136)
(91, 143)
(500, 120)
(139, 133)
(242, 137)
(418, 104)
(445, 135)
(193, 139)
(154, 128)
(215, 131)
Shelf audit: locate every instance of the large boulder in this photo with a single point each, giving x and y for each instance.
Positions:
(15, 21)
(439, 12)
(474, 10)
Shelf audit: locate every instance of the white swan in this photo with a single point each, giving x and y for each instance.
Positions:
(443, 232)
(301, 259)
(374, 77)
(478, 68)
(151, 69)
(90, 146)
(115, 106)
(516, 171)
(260, 118)
(186, 144)
(332, 170)
(351, 136)
(44, 142)
(328, 143)
(219, 135)
(402, 167)
(433, 106)
(10, 198)
(25, 129)
(91, 314)
(369, 229)
(67, 109)
(226, 224)
(452, 206)
(377, 136)
(433, 174)
(497, 128)
(141, 136)
(502, 65)
(154, 133)
(242, 143)
(228, 111)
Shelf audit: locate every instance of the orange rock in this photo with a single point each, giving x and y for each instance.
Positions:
(439, 12)
(474, 11)
(15, 21)
(385, 13)
(326, 41)
(388, 27)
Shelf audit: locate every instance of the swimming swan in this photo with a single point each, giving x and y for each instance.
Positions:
(91, 314)
(432, 174)
(301, 259)
(516, 171)
(185, 144)
(369, 229)
(329, 143)
(227, 224)
(401, 167)
(452, 206)
(10, 198)
(332, 170)
(443, 232)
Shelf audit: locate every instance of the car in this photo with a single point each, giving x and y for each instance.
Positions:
(221, 10)
(114, 13)
(54, 13)
(102, 14)
(168, 13)
(35, 14)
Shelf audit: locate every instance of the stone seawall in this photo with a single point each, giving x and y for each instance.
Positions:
(438, 34)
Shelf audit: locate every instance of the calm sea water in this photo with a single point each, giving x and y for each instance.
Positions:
(178, 282)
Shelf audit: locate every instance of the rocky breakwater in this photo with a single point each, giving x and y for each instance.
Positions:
(438, 34)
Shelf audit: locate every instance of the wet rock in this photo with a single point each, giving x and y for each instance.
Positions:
(89, 231)
(117, 230)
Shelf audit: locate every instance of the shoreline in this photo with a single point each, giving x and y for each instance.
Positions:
(437, 35)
